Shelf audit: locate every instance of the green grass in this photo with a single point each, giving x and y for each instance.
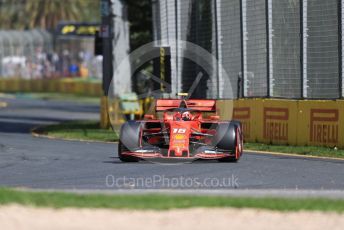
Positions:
(59, 97)
(79, 130)
(163, 202)
(301, 150)
(89, 130)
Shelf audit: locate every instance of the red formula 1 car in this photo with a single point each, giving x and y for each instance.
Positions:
(186, 129)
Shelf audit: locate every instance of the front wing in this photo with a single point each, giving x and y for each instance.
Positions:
(205, 155)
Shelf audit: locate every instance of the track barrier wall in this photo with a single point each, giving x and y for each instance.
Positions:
(69, 86)
(290, 122)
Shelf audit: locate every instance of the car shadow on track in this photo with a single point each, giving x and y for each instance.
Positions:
(116, 160)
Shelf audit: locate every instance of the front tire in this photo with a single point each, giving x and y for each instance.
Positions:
(130, 140)
(124, 158)
(229, 137)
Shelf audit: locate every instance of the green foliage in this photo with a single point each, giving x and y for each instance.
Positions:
(45, 14)
(79, 130)
(300, 150)
(141, 25)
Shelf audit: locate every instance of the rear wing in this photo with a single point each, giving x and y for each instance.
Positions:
(200, 105)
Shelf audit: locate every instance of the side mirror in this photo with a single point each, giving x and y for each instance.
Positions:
(214, 117)
(148, 117)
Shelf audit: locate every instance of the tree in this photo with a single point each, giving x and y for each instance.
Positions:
(140, 19)
(46, 14)
(11, 14)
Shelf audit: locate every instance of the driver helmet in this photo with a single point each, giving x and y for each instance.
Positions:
(186, 116)
(177, 116)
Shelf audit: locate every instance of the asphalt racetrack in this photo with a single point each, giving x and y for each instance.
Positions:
(40, 163)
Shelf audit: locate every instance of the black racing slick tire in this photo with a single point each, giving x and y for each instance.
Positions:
(129, 140)
(229, 138)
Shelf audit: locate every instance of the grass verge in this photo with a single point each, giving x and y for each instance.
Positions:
(59, 97)
(163, 202)
(78, 130)
(89, 130)
(300, 150)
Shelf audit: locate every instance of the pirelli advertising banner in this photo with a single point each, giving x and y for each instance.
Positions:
(162, 70)
(276, 119)
(323, 123)
(293, 122)
(243, 112)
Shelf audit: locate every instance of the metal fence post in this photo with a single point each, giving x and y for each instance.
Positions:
(244, 50)
(176, 47)
(217, 49)
(304, 82)
(301, 48)
(242, 79)
(268, 48)
(340, 46)
(106, 34)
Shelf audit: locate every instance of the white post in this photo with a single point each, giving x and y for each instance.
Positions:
(179, 60)
(270, 35)
(219, 49)
(305, 39)
(244, 25)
